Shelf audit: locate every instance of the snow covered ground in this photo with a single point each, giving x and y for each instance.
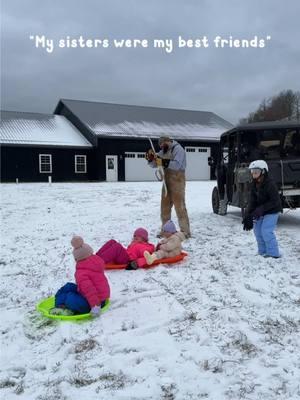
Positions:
(223, 324)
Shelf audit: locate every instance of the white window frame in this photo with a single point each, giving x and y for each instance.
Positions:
(129, 154)
(47, 163)
(76, 164)
(135, 154)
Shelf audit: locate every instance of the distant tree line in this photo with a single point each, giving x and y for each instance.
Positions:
(284, 106)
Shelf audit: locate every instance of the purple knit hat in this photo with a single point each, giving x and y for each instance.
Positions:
(169, 227)
(81, 249)
(141, 232)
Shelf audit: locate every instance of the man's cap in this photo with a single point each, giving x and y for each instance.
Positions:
(164, 139)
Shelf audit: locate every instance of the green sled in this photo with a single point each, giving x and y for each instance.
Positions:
(45, 306)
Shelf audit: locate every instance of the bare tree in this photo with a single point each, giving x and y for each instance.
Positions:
(284, 106)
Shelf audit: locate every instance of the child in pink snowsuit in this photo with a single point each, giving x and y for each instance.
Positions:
(91, 290)
(113, 251)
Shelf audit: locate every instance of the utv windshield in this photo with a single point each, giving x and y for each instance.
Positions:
(277, 144)
(269, 144)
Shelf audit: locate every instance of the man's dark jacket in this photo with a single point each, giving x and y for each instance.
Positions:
(264, 194)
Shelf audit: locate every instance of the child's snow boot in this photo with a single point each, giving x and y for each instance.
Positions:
(61, 311)
(132, 266)
(150, 258)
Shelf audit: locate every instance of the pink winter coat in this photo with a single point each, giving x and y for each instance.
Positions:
(91, 281)
(136, 250)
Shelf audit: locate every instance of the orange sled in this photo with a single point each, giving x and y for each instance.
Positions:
(170, 260)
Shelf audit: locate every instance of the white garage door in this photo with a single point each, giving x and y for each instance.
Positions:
(137, 169)
(196, 163)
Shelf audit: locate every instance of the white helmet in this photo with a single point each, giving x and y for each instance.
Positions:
(259, 164)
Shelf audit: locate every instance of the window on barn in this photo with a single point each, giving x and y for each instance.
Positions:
(80, 164)
(45, 163)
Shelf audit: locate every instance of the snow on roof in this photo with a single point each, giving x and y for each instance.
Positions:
(147, 129)
(39, 129)
(105, 119)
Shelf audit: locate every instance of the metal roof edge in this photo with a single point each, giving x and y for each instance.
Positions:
(39, 145)
(136, 105)
(187, 138)
(80, 121)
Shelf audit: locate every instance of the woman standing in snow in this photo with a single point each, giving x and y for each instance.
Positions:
(263, 209)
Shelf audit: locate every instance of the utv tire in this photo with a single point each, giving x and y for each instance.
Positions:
(223, 207)
(215, 200)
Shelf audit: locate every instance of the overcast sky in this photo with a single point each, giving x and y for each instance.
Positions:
(230, 82)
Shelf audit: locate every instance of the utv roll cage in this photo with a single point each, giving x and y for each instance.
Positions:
(278, 143)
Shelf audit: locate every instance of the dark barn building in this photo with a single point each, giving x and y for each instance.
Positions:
(120, 134)
(36, 146)
(91, 141)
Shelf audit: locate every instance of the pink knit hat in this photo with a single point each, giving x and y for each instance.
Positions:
(81, 249)
(141, 232)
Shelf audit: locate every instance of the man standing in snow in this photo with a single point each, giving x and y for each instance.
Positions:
(173, 159)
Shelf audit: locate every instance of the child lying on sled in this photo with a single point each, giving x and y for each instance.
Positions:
(115, 253)
(169, 246)
(91, 290)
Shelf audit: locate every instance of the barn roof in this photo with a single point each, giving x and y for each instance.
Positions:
(119, 120)
(23, 128)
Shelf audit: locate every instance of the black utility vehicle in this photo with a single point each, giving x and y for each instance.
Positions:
(278, 143)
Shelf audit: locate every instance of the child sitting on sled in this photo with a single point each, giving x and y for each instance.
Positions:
(91, 290)
(169, 246)
(113, 251)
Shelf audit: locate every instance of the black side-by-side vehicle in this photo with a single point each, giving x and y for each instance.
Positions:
(278, 143)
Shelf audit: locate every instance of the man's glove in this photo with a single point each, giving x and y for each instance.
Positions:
(247, 222)
(159, 162)
(150, 155)
(258, 212)
(165, 162)
(95, 311)
(132, 265)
